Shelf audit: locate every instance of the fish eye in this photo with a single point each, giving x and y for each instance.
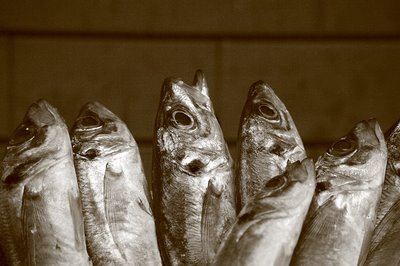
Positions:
(182, 119)
(89, 122)
(268, 111)
(342, 147)
(21, 134)
(276, 182)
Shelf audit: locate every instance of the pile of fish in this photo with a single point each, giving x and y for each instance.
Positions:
(81, 197)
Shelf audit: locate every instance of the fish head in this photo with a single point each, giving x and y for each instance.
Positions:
(284, 192)
(392, 137)
(267, 124)
(38, 138)
(186, 127)
(355, 161)
(98, 132)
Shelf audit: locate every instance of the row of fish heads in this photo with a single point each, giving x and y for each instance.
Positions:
(304, 209)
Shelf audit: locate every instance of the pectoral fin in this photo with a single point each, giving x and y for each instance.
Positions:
(29, 215)
(210, 219)
(115, 201)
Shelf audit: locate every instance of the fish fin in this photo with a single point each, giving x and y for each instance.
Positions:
(29, 214)
(385, 240)
(388, 221)
(75, 207)
(322, 223)
(213, 211)
(115, 201)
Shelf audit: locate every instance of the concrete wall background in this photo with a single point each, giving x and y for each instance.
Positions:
(332, 63)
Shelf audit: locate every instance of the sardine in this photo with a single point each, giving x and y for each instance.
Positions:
(342, 214)
(269, 225)
(267, 141)
(119, 223)
(41, 220)
(193, 184)
(391, 186)
(384, 247)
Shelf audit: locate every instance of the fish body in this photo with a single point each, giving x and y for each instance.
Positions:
(269, 225)
(391, 185)
(41, 221)
(386, 237)
(119, 224)
(193, 185)
(267, 141)
(342, 214)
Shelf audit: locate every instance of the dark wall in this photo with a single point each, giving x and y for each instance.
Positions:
(333, 63)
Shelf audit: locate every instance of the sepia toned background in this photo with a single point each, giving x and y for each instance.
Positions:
(332, 63)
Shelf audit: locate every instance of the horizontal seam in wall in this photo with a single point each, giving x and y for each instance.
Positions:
(205, 37)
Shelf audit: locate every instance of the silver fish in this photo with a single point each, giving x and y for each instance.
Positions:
(193, 185)
(269, 225)
(391, 186)
(119, 224)
(384, 247)
(41, 221)
(342, 214)
(267, 141)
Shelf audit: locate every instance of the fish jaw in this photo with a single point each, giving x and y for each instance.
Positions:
(98, 132)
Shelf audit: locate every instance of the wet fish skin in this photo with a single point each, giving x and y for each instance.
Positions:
(193, 185)
(40, 211)
(267, 141)
(384, 248)
(342, 214)
(119, 223)
(269, 225)
(391, 185)
(386, 238)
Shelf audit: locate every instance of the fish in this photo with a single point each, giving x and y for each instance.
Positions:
(41, 220)
(386, 237)
(116, 202)
(192, 175)
(267, 141)
(342, 213)
(269, 225)
(391, 185)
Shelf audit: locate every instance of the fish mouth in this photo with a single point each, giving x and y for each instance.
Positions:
(200, 82)
(43, 113)
(96, 111)
(260, 89)
(373, 125)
